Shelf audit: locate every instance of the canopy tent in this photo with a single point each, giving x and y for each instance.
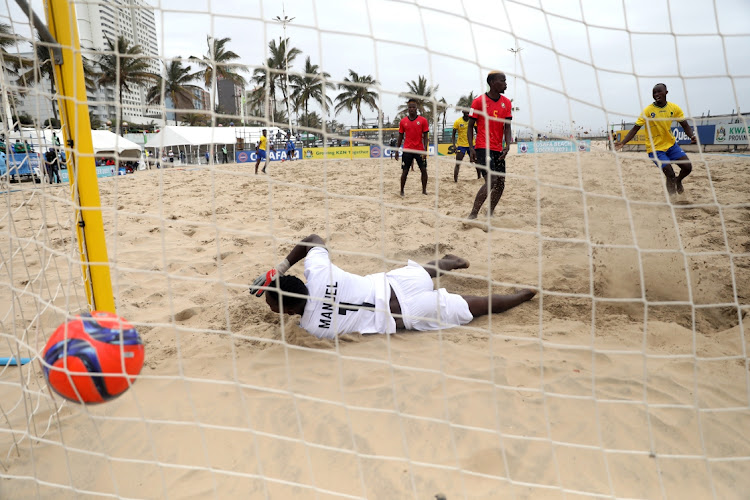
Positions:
(103, 141)
(170, 136)
(108, 142)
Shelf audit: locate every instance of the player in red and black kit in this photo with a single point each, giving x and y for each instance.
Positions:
(491, 113)
(416, 130)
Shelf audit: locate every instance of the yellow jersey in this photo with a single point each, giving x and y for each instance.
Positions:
(262, 143)
(462, 126)
(658, 123)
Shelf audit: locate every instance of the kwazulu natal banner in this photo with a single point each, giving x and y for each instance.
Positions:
(341, 153)
(730, 133)
(554, 146)
(386, 151)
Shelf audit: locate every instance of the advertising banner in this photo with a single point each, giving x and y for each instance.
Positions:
(103, 171)
(640, 137)
(705, 133)
(251, 156)
(554, 146)
(336, 153)
(21, 164)
(730, 133)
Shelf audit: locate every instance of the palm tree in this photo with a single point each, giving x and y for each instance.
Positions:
(424, 95)
(255, 100)
(278, 117)
(334, 127)
(9, 39)
(193, 119)
(42, 67)
(311, 120)
(465, 100)
(355, 92)
(310, 86)
(442, 108)
(38, 69)
(218, 63)
(277, 66)
(124, 67)
(6, 37)
(175, 84)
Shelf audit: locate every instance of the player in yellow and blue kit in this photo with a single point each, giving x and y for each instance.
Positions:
(261, 153)
(461, 147)
(660, 144)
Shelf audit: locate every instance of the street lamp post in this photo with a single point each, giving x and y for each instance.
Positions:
(515, 51)
(284, 21)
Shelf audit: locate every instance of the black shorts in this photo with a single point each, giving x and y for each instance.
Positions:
(497, 164)
(408, 158)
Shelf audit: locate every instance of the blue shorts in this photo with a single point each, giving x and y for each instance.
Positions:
(462, 149)
(261, 154)
(665, 157)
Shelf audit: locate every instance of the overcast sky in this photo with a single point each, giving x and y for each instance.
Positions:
(588, 62)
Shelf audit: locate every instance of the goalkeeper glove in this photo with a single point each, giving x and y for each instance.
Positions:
(264, 280)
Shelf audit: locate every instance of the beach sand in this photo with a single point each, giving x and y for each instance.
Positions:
(627, 375)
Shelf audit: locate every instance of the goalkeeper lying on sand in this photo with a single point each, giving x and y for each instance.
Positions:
(335, 302)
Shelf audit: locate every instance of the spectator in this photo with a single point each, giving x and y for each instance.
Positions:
(53, 166)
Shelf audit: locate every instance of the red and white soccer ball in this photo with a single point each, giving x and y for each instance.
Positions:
(93, 358)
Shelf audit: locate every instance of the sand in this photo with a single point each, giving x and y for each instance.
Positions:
(626, 377)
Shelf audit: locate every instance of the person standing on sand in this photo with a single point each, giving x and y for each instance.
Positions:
(460, 129)
(290, 150)
(260, 151)
(661, 145)
(416, 132)
(490, 114)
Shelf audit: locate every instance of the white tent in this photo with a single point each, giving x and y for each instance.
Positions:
(108, 142)
(170, 136)
(104, 141)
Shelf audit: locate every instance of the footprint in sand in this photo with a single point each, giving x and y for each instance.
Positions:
(475, 224)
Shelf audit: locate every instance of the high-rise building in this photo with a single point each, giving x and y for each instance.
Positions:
(102, 20)
(229, 96)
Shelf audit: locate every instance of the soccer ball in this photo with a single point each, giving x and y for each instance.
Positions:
(93, 358)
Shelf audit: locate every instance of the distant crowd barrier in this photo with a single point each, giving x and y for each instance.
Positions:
(250, 156)
(719, 134)
(554, 146)
(716, 134)
(21, 165)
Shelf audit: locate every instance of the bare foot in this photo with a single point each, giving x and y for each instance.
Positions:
(460, 262)
(424, 192)
(527, 293)
(678, 186)
(471, 216)
(402, 194)
(671, 188)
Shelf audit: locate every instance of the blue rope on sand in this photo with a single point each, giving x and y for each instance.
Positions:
(13, 362)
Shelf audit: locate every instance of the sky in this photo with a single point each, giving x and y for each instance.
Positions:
(582, 64)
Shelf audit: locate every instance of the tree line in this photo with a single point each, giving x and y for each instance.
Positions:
(125, 68)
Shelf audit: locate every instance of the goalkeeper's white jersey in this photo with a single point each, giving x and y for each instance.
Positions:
(342, 302)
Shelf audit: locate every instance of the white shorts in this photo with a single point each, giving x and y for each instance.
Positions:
(424, 308)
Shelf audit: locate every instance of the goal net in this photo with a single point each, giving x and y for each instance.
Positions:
(223, 134)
